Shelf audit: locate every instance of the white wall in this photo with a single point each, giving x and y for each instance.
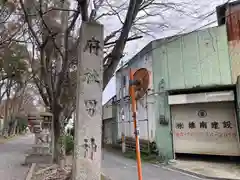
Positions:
(147, 128)
(107, 111)
(109, 91)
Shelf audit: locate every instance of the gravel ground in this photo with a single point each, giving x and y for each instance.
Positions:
(50, 172)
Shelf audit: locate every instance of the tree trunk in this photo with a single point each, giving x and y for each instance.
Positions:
(59, 140)
(5, 123)
(14, 127)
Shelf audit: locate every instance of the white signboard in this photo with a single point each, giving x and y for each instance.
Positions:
(205, 128)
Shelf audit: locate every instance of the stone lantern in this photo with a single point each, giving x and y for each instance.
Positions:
(47, 126)
(35, 122)
(41, 126)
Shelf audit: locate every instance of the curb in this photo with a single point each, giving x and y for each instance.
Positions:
(30, 172)
(201, 176)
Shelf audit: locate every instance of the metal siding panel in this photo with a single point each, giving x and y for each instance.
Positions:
(223, 55)
(196, 59)
(205, 141)
(175, 64)
(232, 21)
(192, 70)
(192, 77)
(234, 47)
(162, 68)
(208, 57)
(128, 127)
(141, 116)
(238, 103)
(163, 136)
(107, 111)
(156, 57)
(140, 62)
(151, 116)
(119, 127)
(108, 132)
(163, 132)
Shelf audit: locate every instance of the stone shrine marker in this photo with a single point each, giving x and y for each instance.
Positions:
(88, 126)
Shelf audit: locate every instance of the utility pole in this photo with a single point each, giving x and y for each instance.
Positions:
(122, 109)
(88, 125)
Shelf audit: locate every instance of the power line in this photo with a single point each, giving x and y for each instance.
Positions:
(180, 34)
(175, 37)
(199, 28)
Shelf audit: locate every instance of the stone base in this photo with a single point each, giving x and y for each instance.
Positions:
(38, 159)
(40, 149)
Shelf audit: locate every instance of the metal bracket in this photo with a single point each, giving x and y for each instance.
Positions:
(136, 132)
(133, 82)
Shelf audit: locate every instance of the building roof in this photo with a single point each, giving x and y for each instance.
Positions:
(157, 43)
(148, 48)
(144, 51)
(110, 101)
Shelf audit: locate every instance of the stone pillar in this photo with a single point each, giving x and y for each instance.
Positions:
(88, 125)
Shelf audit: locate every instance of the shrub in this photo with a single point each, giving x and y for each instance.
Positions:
(69, 144)
(153, 148)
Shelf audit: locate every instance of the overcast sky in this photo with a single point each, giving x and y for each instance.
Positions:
(197, 18)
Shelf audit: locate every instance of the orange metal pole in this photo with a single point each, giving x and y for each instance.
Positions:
(134, 110)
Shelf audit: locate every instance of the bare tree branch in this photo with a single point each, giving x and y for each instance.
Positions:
(117, 52)
(29, 24)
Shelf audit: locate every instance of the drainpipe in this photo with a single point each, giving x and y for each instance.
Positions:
(122, 109)
(147, 123)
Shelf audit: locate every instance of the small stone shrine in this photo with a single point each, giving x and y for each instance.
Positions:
(41, 126)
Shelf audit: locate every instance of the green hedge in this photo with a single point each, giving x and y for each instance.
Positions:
(69, 144)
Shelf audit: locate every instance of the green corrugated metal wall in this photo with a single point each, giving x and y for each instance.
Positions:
(198, 59)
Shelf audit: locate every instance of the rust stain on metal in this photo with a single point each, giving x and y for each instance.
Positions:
(233, 22)
(234, 53)
(233, 32)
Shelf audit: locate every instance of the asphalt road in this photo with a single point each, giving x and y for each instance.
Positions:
(12, 155)
(119, 168)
